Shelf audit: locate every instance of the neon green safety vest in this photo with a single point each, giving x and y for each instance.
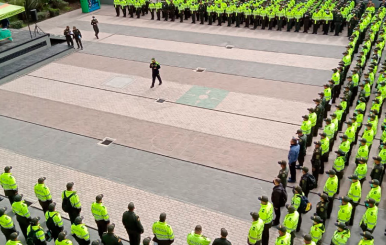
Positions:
(344, 213)
(75, 202)
(306, 127)
(256, 231)
(196, 239)
(80, 231)
(366, 242)
(163, 231)
(10, 242)
(8, 182)
(363, 151)
(21, 209)
(99, 211)
(325, 145)
(42, 192)
(317, 232)
(63, 242)
(55, 217)
(355, 191)
(40, 235)
(375, 193)
(312, 117)
(341, 237)
(370, 217)
(329, 130)
(291, 221)
(331, 186)
(283, 240)
(6, 221)
(266, 212)
(339, 163)
(361, 170)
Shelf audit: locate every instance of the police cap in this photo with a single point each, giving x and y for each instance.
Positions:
(98, 242)
(263, 198)
(374, 182)
(317, 219)
(290, 208)
(14, 236)
(7, 168)
(18, 198)
(331, 172)
(146, 241)
(345, 199)
(255, 215)
(307, 238)
(341, 225)
(78, 220)
(41, 180)
(99, 197)
(305, 169)
(35, 220)
(281, 228)
(2, 210)
(353, 177)
(367, 235)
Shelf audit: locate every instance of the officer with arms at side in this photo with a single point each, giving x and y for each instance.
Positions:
(109, 238)
(155, 66)
(36, 233)
(8, 183)
(42, 192)
(13, 239)
(133, 225)
(256, 230)
(6, 224)
(163, 233)
(223, 239)
(195, 237)
(80, 232)
(266, 214)
(54, 221)
(100, 214)
(23, 215)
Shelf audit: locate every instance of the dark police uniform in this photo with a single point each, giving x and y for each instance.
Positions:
(283, 175)
(321, 210)
(133, 226)
(377, 173)
(316, 162)
(111, 239)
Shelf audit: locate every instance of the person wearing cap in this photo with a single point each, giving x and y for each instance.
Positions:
(322, 206)
(361, 104)
(348, 95)
(223, 239)
(278, 196)
(94, 23)
(75, 207)
(319, 110)
(54, 221)
(13, 239)
(101, 216)
(330, 188)
(163, 233)
(316, 161)
(293, 155)
(327, 96)
(338, 166)
(335, 121)
(361, 169)
(373, 119)
(283, 173)
(256, 231)
(42, 192)
(146, 241)
(195, 237)
(155, 66)
(376, 106)
(23, 216)
(375, 192)
(354, 193)
(308, 240)
(96, 242)
(317, 230)
(336, 80)
(37, 233)
(369, 218)
(6, 224)
(132, 224)
(366, 238)
(341, 234)
(329, 130)
(325, 150)
(80, 232)
(363, 150)
(303, 143)
(359, 116)
(109, 238)
(314, 130)
(339, 115)
(306, 127)
(62, 239)
(266, 214)
(345, 210)
(382, 155)
(345, 146)
(296, 201)
(284, 237)
(8, 182)
(291, 221)
(306, 181)
(355, 126)
(377, 171)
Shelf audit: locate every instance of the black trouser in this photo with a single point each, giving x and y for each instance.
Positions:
(340, 176)
(324, 159)
(289, 24)
(194, 17)
(219, 20)
(280, 23)
(23, 223)
(69, 41)
(45, 205)
(330, 205)
(309, 138)
(255, 21)
(306, 24)
(138, 12)
(10, 194)
(247, 21)
(73, 214)
(292, 167)
(326, 25)
(354, 207)
(172, 14)
(201, 18)
(299, 223)
(131, 10)
(117, 7)
(337, 28)
(237, 20)
(301, 158)
(270, 23)
(134, 237)
(79, 43)
(158, 14)
(153, 79)
(7, 232)
(102, 227)
(315, 172)
(152, 13)
(297, 25)
(55, 232)
(277, 215)
(306, 192)
(81, 241)
(124, 11)
(292, 237)
(96, 30)
(315, 27)
(265, 236)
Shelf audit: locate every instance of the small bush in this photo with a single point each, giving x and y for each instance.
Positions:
(53, 12)
(16, 24)
(59, 4)
(43, 15)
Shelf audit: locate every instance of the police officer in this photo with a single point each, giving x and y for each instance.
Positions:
(71, 203)
(341, 235)
(296, 201)
(338, 166)
(377, 171)
(366, 238)
(284, 237)
(38, 235)
(223, 239)
(6, 223)
(133, 225)
(319, 110)
(54, 221)
(317, 230)
(345, 209)
(163, 233)
(375, 192)
(23, 215)
(316, 161)
(291, 221)
(256, 231)
(109, 238)
(302, 140)
(146, 241)
(266, 214)
(100, 214)
(13, 239)
(283, 173)
(369, 218)
(42, 192)
(8, 183)
(322, 206)
(305, 181)
(361, 169)
(330, 188)
(62, 239)
(277, 197)
(195, 237)
(80, 232)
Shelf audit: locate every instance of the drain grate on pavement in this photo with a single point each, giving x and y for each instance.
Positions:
(199, 69)
(106, 141)
(160, 100)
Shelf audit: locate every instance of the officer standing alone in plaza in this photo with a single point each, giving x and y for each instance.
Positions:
(133, 225)
(155, 66)
(100, 214)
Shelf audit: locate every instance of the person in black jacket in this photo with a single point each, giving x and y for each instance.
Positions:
(223, 240)
(132, 225)
(276, 198)
(304, 181)
(77, 37)
(155, 66)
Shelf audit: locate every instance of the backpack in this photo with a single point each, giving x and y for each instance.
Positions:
(50, 222)
(66, 204)
(305, 205)
(311, 182)
(283, 198)
(31, 237)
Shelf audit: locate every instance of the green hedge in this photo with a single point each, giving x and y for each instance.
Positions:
(53, 12)
(16, 24)
(43, 15)
(59, 4)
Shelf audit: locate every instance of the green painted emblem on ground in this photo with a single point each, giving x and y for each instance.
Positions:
(203, 97)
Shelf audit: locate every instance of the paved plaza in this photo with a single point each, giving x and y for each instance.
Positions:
(203, 155)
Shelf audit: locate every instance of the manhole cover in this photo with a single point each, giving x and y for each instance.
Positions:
(160, 100)
(199, 69)
(106, 141)
(119, 82)
(229, 46)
